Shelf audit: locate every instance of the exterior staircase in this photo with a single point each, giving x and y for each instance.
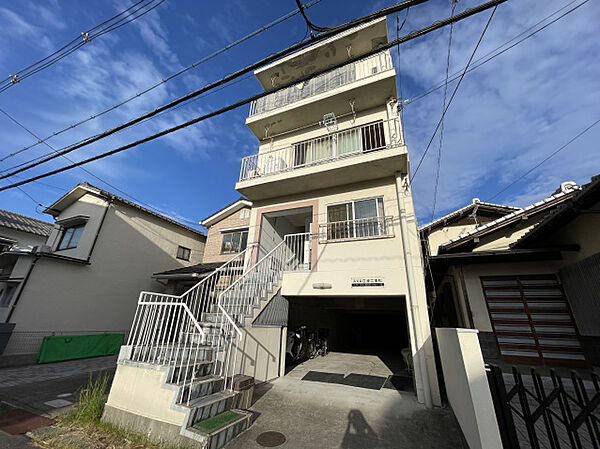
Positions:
(191, 339)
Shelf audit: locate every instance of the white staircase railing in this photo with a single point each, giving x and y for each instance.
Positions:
(238, 301)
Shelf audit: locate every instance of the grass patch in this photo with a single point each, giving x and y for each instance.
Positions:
(216, 422)
(98, 435)
(83, 428)
(90, 403)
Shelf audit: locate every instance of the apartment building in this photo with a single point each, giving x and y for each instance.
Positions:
(332, 229)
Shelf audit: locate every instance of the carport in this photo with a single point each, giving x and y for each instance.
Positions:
(366, 336)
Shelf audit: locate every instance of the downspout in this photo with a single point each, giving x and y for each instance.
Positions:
(23, 284)
(414, 308)
(110, 201)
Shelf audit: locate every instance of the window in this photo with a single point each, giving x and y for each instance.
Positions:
(8, 294)
(183, 253)
(70, 237)
(356, 219)
(234, 242)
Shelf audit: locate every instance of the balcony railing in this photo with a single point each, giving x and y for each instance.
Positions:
(330, 80)
(347, 143)
(357, 229)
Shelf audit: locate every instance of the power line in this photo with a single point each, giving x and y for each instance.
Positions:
(85, 170)
(437, 25)
(439, 158)
(546, 159)
(453, 94)
(309, 24)
(137, 124)
(124, 17)
(481, 61)
(226, 79)
(165, 80)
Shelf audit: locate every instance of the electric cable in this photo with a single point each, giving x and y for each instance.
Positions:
(439, 156)
(546, 159)
(310, 25)
(85, 170)
(453, 93)
(481, 61)
(437, 25)
(237, 74)
(168, 78)
(124, 17)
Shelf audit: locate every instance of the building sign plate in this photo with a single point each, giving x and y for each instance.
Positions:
(368, 282)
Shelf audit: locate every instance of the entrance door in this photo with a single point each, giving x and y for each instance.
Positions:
(532, 320)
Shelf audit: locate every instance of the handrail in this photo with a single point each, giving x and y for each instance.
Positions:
(226, 315)
(177, 304)
(251, 268)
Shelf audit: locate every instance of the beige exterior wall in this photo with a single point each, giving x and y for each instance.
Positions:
(214, 237)
(62, 295)
(442, 235)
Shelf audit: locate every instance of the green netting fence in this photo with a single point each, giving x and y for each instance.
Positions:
(70, 347)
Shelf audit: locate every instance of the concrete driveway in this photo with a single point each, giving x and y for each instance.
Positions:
(313, 414)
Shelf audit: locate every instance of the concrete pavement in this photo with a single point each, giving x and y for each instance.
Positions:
(326, 416)
(47, 389)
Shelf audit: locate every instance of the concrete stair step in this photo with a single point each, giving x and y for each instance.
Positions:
(191, 371)
(217, 431)
(209, 406)
(199, 387)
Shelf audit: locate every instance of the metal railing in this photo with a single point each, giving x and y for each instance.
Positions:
(166, 328)
(357, 229)
(341, 76)
(341, 144)
(238, 301)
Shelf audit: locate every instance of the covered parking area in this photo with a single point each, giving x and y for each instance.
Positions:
(367, 339)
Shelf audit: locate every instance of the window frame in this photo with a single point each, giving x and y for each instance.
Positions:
(7, 294)
(380, 209)
(66, 228)
(241, 246)
(181, 251)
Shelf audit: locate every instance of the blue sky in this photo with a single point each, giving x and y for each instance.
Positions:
(508, 114)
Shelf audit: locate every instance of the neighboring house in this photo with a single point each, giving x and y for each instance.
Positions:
(528, 281)
(227, 236)
(86, 275)
(21, 231)
(332, 229)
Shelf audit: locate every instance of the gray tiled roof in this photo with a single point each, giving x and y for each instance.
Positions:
(26, 224)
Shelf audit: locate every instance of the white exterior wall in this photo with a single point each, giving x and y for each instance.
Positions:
(467, 387)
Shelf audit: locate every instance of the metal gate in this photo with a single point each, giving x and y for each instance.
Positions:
(545, 412)
(532, 320)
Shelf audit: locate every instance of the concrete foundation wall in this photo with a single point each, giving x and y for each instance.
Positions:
(141, 391)
(467, 387)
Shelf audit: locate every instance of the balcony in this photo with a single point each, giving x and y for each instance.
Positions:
(295, 105)
(356, 154)
(357, 229)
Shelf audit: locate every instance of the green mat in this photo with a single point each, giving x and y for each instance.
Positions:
(69, 347)
(217, 422)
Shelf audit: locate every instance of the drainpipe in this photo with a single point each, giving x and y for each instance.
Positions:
(110, 202)
(23, 285)
(414, 308)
